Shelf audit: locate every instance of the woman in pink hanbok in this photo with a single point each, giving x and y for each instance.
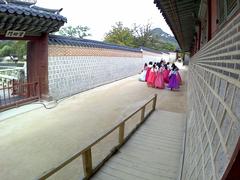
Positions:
(159, 82)
(152, 77)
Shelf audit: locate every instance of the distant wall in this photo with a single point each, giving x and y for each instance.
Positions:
(76, 65)
(151, 56)
(186, 59)
(213, 128)
(156, 56)
(73, 69)
(172, 56)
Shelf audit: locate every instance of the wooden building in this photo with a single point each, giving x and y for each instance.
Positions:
(210, 31)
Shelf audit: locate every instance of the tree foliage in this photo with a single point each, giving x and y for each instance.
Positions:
(16, 48)
(20, 49)
(120, 35)
(139, 35)
(143, 35)
(78, 31)
(6, 51)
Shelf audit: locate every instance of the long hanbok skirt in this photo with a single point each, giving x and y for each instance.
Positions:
(159, 82)
(151, 79)
(147, 73)
(142, 76)
(165, 76)
(179, 78)
(173, 82)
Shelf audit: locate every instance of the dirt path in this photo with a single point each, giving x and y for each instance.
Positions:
(36, 141)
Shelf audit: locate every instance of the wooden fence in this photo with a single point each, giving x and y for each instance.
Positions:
(87, 152)
(14, 93)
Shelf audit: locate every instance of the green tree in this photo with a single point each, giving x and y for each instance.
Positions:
(78, 31)
(168, 46)
(6, 51)
(120, 35)
(20, 49)
(143, 35)
(139, 35)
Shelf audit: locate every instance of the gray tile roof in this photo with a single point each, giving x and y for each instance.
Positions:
(34, 20)
(20, 8)
(63, 40)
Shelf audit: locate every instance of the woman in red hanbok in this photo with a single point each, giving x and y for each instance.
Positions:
(148, 70)
(166, 72)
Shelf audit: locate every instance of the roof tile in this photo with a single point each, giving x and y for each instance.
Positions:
(63, 40)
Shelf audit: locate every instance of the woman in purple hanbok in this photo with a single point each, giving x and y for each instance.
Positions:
(173, 80)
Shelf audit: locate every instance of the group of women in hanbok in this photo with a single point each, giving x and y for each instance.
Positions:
(158, 74)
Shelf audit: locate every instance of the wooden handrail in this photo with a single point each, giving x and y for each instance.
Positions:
(86, 152)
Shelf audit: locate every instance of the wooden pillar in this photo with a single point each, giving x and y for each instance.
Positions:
(121, 133)
(37, 63)
(183, 56)
(232, 171)
(177, 55)
(212, 18)
(199, 35)
(87, 162)
(143, 113)
(154, 102)
(209, 33)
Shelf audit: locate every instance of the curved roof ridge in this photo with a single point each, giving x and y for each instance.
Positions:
(23, 3)
(46, 9)
(28, 9)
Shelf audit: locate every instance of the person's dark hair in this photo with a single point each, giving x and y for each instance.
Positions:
(154, 66)
(174, 67)
(161, 62)
(145, 64)
(150, 63)
(165, 65)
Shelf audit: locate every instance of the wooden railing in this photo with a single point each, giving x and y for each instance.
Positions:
(87, 152)
(14, 93)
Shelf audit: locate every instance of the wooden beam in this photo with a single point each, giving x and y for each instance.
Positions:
(87, 162)
(121, 133)
(143, 113)
(154, 102)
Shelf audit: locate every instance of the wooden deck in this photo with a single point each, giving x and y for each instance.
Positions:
(153, 152)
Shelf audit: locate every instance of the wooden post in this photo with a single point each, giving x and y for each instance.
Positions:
(142, 113)
(87, 162)
(154, 102)
(121, 133)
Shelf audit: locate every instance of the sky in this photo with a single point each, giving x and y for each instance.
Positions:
(101, 15)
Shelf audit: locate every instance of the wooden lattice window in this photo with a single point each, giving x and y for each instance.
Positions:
(231, 4)
(221, 11)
